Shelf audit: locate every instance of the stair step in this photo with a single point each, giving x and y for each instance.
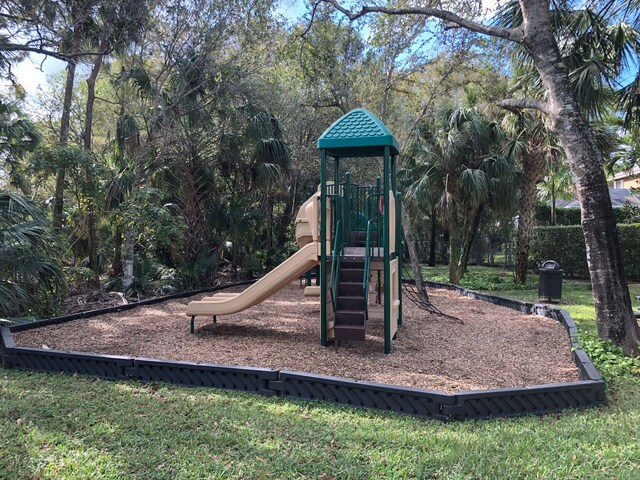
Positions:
(352, 262)
(352, 303)
(350, 288)
(351, 274)
(349, 317)
(349, 332)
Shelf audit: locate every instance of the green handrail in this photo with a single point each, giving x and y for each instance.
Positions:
(372, 213)
(335, 264)
(367, 270)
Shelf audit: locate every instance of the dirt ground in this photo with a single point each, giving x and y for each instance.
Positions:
(495, 347)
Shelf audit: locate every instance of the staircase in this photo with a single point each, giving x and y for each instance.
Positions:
(350, 315)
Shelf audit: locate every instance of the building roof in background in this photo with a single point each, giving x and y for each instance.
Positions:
(634, 172)
(619, 196)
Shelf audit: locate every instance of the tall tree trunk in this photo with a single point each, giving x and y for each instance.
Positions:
(269, 207)
(58, 197)
(116, 264)
(130, 226)
(89, 177)
(553, 201)
(471, 223)
(432, 240)
(454, 250)
(614, 315)
(533, 166)
(129, 251)
(65, 121)
(413, 254)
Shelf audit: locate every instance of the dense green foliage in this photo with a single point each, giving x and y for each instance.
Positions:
(30, 278)
(571, 216)
(565, 244)
(564, 216)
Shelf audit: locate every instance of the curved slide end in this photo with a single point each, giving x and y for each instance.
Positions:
(223, 304)
(307, 220)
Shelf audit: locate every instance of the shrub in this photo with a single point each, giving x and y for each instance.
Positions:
(564, 216)
(565, 244)
(609, 359)
(571, 216)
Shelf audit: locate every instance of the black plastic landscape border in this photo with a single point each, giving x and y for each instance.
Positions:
(121, 308)
(482, 404)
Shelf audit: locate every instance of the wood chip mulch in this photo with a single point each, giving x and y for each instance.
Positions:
(495, 347)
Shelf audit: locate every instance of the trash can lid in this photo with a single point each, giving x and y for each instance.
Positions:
(551, 265)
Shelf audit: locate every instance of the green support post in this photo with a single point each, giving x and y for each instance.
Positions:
(347, 209)
(387, 265)
(337, 211)
(399, 251)
(376, 210)
(323, 248)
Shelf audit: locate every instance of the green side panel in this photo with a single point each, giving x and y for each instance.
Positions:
(358, 133)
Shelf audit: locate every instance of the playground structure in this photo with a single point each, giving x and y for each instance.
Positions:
(360, 239)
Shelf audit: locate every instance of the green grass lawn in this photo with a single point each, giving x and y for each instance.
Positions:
(63, 427)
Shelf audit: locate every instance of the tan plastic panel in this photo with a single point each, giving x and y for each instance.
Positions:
(289, 270)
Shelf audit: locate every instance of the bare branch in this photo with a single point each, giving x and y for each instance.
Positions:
(512, 34)
(51, 53)
(313, 16)
(517, 104)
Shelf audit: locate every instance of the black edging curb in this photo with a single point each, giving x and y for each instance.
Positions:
(120, 308)
(502, 402)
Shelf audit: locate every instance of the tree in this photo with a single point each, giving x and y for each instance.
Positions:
(18, 135)
(532, 145)
(115, 26)
(29, 275)
(614, 315)
(462, 175)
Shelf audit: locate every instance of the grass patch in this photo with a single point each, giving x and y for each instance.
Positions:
(63, 427)
(480, 278)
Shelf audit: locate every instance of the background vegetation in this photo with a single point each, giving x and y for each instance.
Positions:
(174, 150)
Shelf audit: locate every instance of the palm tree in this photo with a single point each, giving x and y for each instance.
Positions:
(535, 148)
(593, 50)
(29, 274)
(460, 168)
(270, 162)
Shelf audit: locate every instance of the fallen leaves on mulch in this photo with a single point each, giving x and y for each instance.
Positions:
(496, 347)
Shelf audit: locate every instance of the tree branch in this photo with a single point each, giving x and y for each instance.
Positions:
(517, 104)
(512, 34)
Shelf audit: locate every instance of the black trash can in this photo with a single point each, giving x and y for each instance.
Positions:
(550, 280)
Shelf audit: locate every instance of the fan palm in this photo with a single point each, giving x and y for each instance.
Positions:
(29, 274)
(459, 171)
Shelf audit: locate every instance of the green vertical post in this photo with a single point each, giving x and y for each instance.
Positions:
(387, 265)
(393, 174)
(399, 251)
(376, 210)
(347, 209)
(323, 248)
(336, 190)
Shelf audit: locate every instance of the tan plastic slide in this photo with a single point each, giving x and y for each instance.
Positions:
(300, 262)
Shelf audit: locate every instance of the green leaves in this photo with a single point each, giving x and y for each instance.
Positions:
(609, 359)
(30, 277)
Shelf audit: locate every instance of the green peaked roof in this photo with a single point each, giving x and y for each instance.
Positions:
(358, 133)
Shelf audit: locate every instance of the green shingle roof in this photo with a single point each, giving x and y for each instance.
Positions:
(358, 133)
